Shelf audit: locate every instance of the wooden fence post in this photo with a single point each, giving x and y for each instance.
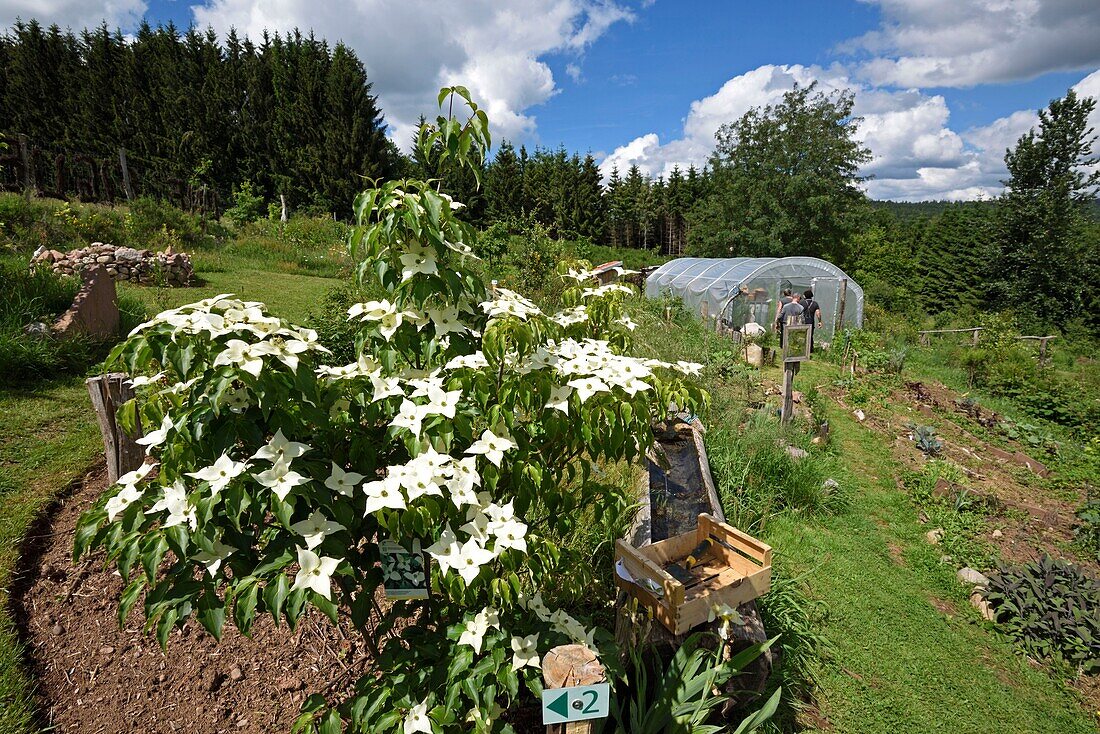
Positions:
(974, 335)
(108, 392)
(843, 300)
(571, 665)
(125, 174)
(28, 169)
(790, 369)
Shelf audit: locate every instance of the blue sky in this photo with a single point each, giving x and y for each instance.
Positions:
(943, 85)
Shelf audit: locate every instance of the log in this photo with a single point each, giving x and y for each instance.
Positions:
(108, 392)
(571, 665)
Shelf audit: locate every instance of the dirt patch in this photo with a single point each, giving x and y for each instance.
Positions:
(943, 606)
(1030, 519)
(896, 553)
(95, 677)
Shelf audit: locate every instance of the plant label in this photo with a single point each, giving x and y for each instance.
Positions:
(575, 703)
(404, 572)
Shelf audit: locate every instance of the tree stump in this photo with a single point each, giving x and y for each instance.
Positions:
(108, 392)
(571, 665)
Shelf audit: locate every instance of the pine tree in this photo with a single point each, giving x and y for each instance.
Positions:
(1042, 242)
(504, 185)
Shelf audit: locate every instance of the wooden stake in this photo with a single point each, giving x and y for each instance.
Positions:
(789, 371)
(108, 392)
(125, 174)
(571, 665)
(842, 300)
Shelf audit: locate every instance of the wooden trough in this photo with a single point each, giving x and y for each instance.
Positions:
(681, 578)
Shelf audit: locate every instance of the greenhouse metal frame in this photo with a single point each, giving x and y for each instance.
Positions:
(739, 290)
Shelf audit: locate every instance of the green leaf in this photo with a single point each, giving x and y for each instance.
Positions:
(245, 597)
(86, 530)
(211, 613)
(129, 598)
(275, 595)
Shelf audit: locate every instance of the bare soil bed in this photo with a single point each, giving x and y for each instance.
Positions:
(94, 677)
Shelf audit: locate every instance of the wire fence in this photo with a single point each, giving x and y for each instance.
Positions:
(51, 171)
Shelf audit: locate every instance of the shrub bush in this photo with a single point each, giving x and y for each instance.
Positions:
(1052, 608)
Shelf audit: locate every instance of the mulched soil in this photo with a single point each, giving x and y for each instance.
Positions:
(94, 677)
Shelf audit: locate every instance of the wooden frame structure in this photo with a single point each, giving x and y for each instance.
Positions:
(733, 569)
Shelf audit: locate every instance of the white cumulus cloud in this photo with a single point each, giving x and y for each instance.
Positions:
(960, 43)
(916, 155)
(75, 14)
(412, 48)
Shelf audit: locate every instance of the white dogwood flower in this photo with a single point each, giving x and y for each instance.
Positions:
(316, 528)
(510, 303)
(212, 560)
(383, 493)
(418, 260)
(315, 572)
(470, 558)
(385, 387)
(410, 416)
(284, 350)
(559, 398)
(118, 504)
(445, 321)
(180, 510)
(492, 446)
(279, 448)
(474, 633)
(133, 477)
(445, 551)
(241, 353)
(511, 534)
(280, 478)
(157, 437)
(343, 482)
(417, 719)
(588, 386)
(525, 652)
(220, 473)
(471, 361)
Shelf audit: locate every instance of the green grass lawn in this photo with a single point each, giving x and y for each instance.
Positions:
(910, 654)
(288, 295)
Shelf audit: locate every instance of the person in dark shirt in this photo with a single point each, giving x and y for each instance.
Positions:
(811, 314)
(791, 313)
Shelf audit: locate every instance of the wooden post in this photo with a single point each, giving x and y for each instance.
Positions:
(790, 369)
(842, 300)
(571, 665)
(125, 174)
(108, 392)
(974, 337)
(28, 169)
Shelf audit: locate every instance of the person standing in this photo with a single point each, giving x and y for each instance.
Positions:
(783, 301)
(791, 313)
(811, 314)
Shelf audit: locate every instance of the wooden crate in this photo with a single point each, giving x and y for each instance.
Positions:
(734, 569)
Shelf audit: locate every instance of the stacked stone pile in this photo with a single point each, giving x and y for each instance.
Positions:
(122, 263)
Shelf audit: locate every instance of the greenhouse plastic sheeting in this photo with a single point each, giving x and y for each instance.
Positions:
(743, 289)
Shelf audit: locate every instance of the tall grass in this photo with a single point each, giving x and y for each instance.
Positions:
(40, 296)
(757, 477)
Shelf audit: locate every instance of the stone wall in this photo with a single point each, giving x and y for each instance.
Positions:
(122, 263)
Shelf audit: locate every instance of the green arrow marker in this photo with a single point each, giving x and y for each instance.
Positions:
(560, 705)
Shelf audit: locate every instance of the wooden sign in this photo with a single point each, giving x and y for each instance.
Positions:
(796, 342)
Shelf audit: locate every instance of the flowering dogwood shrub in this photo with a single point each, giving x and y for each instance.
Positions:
(468, 426)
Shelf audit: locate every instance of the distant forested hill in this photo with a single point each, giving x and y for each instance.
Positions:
(290, 114)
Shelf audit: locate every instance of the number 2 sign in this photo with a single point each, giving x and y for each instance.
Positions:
(575, 703)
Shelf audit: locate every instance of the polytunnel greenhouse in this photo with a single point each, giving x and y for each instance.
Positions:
(738, 290)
